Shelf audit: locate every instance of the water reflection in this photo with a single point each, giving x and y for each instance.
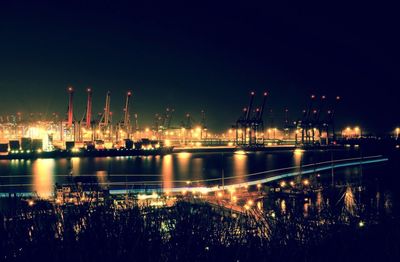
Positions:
(197, 169)
(306, 207)
(297, 156)
(388, 204)
(75, 161)
(378, 199)
(167, 172)
(319, 201)
(349, 201)
(283, 206)
(240, 168)
(183, 164)
(102, 178)
(43, 177)
(297, 162)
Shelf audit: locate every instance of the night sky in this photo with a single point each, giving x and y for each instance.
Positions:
(196, 55)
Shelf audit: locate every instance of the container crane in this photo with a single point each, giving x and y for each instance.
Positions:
(203, 125)
(126, 110)
(89, 107)
(104, 123)
(70, 106)
(329, 123)
(257, 125)
(136, 122)
(247, 127)
(316, 121)
(243, 122)
(189, 121)
(168, 117)
(250, 106)
(261, 111)
(305, 122)
(105, 118)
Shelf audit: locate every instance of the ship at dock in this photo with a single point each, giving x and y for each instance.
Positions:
(143, 147)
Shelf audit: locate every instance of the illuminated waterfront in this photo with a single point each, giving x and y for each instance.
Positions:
(306, 216)
(172, 170)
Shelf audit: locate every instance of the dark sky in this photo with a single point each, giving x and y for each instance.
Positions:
(196, 55)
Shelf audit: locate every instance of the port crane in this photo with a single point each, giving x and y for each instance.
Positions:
(250, 126)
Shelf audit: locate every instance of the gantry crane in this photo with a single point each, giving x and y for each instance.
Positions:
(105, 120)
(328, 124)
(86, 119)
(89, 108)
(126, 111)
(311, 120)
(70, 106)
(248, 126)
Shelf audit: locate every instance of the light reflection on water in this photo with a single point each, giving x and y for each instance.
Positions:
(75, 166)
(240, 167)
(43, 174)
(350, 201)
(102, 178)
(167, 172)
(184, 160)
(283, 206)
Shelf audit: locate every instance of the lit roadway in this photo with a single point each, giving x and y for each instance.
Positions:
(272, 175)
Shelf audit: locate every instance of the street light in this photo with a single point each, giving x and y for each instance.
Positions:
(397, 132)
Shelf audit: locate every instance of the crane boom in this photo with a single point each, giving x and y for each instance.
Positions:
(248, 112)
(320, 108)
(70, 106)
(309, 109)
(261, 111)
(107, 109)
(126, 108)
(89, 108)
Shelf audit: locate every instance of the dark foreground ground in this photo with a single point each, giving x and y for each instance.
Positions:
(187, 232)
